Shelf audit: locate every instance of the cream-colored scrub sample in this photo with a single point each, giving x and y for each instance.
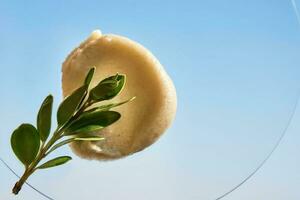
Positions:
(143, 120)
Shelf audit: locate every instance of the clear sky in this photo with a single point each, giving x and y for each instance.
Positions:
(235, 65)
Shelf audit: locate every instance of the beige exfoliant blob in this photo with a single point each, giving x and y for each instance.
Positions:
(143, 120)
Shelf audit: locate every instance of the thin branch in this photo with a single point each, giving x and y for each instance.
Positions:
(32, 187)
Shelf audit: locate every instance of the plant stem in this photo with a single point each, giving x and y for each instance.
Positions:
(58, 133)
(19, 184)
(31, 168)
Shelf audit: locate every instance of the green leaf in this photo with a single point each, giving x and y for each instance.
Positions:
(55, 162)
(62, 143)
(89, 138)
(109, 106)
(25, 142)
(89, 76)
(71, 103)
(86, 129)
(101, 118)
(113, 105)
(108, 88)
(76, 138)
(44, 118)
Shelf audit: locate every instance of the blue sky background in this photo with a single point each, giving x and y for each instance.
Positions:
(236, 68)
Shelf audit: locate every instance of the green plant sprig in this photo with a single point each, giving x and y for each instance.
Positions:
(76, 121)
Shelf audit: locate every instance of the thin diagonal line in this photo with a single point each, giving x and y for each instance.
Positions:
(269, 155)
(296, 10)
(10, 169)
(281, 136)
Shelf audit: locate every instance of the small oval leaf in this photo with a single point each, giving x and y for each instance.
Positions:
(44, 118)
(68, 107)
(55, 162)
(101, 119)
(86, 129)
(89, 76)
(25, 142)
(108, 88)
